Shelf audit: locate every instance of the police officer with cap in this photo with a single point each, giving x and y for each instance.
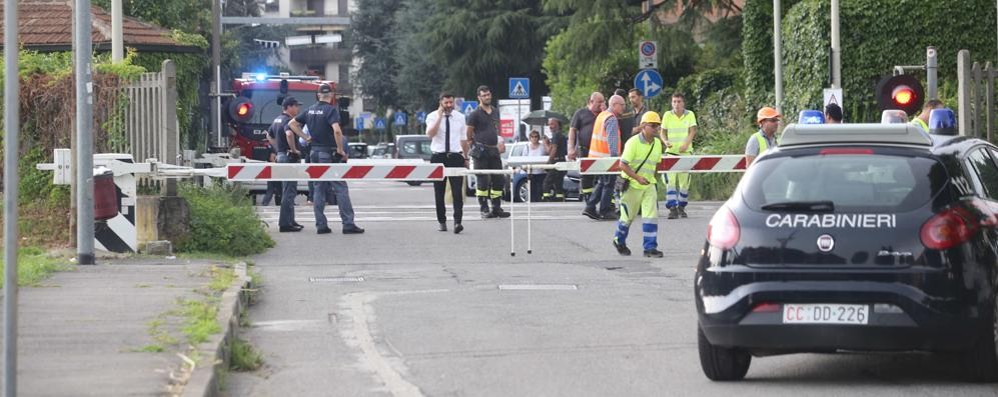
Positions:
(287, 152)
(323, 121)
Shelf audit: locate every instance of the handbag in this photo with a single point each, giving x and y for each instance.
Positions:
(477, 150)
(622, 183)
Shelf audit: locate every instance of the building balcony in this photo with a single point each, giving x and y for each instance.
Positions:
(321, 54)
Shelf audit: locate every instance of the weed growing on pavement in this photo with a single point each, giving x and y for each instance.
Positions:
(244, 356)
(200, 320)
(35, 265)
(221, 278)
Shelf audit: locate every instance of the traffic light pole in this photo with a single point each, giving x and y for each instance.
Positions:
(84, 136)
(931, 70)
(216, 69)
(836, 47)
(777, 55)
(12, 125)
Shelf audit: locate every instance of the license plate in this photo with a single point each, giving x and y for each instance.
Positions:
(825, 314)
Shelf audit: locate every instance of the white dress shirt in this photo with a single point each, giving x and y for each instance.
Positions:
(458, 132)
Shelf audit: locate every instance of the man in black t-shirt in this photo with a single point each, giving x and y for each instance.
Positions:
(483, 132)
(323, 121)
(557, 146)
(580, 133)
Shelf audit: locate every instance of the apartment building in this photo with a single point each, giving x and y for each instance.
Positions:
(323, 49)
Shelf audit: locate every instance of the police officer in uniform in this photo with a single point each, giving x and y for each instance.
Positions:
(323, 121)
(287, 152)
(483, 131)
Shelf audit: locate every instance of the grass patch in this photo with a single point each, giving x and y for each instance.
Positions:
(35, 265)
(223, 221)
(200, 319)
(221, 279)
(152, 349)
(244, 356)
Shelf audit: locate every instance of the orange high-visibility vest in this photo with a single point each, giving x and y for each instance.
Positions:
(599, 146)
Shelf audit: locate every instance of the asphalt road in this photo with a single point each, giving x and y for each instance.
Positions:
(406, 310)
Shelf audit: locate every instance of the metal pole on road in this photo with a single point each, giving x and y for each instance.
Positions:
(84, 137)
(836, 47)
(777, 56)
(216, 68)
(12, 121)
(931, 73)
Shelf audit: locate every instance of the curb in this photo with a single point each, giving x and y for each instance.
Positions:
(204, 380)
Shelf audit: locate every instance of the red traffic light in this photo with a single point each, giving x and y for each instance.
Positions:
(903, 92)
(903, 95)
(240, 110)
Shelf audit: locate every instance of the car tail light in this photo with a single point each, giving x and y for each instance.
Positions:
(723, 231)
(948, 229)
(845, 151)
(766, 307)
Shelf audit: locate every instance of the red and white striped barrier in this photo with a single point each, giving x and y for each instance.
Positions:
(699, 164)
(250, 172)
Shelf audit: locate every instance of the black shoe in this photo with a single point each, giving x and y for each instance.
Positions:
(443, 227)
(621, 248)
(609, 216)
(285, 229)
(682, 212)
(591, 213)
(324, 230)
(499, 213)
(458, 228)
(486, 214)
(352, 229)
(673, 213)
(295, 224)
(653, 253)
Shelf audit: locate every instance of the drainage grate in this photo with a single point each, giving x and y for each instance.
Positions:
(538, 287)
(335, 279)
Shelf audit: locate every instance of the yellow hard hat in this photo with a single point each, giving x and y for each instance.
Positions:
(651, 117)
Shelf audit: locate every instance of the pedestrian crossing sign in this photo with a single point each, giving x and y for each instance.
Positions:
(469, 107)
(379, 123)
(519, 88)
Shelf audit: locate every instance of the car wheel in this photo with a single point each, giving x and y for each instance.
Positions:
(414, 183)
(981, 362)
(722, 363)
(522, 194)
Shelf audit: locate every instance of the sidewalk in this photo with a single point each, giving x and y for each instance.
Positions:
(96, 330)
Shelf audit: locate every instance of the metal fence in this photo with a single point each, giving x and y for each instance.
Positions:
(151, 127)
(976, 113)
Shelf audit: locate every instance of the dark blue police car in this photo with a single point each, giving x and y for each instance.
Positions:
(855, 237)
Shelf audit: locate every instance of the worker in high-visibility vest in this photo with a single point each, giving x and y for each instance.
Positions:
(638, 165)
(769, 121)
(605, 143)
(679, 126)
(922, 120)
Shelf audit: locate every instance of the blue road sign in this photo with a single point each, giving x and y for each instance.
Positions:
(469, 107)
(379, 123)
(401, 118)
(421, 117)
(358, 123)
(649, 82)
(519, 88)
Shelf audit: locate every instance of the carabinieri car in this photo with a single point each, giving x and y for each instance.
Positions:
(854, 237)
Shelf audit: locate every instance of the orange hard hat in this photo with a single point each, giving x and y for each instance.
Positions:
(766, 113)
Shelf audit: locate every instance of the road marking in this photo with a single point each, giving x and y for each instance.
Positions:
(389, 371)
(538, 287)
(284, 325)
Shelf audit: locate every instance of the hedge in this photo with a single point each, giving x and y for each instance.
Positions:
(757, 50)
(875, 36)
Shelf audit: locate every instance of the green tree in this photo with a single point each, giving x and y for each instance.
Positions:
(488, 41)
(191, 16)
(376, 44)
(420, 78)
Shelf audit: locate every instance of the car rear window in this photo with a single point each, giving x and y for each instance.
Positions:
(873, 182)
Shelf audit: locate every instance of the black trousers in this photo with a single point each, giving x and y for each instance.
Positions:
(489, 186)
(456, 187)
(588, 182)
(554, 182)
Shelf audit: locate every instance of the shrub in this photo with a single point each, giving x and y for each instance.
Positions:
(223, 221)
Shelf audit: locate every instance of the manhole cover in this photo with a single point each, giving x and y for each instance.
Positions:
(538, 287)
(335, 279)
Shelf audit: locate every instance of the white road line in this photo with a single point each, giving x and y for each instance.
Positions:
(388, 370)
